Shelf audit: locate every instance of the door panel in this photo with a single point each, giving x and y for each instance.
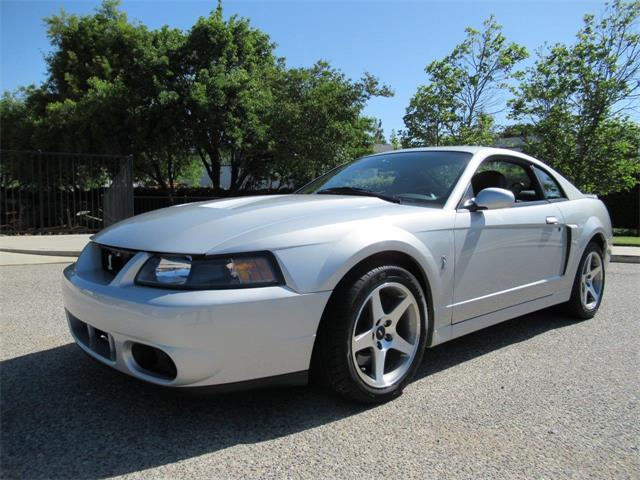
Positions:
(505, 257)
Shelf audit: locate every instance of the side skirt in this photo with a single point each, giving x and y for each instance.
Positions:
(483, 321)
(286, 380)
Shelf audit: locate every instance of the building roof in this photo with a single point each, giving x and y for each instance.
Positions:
(382, 147)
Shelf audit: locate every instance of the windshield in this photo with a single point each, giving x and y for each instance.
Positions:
(420, 177)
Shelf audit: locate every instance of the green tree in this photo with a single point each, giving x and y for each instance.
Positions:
(113, 87)
(227, 79)
(86, 99)
(379, 137)
(395, 140)
(18, 120)
(215, 93)
(318, 122)
(464, 90)
(576, 97)
(160, 131)
(248, 111)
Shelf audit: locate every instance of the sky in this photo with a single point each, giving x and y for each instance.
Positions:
(390, 39)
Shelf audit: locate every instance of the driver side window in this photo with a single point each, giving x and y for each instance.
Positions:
(499, 173)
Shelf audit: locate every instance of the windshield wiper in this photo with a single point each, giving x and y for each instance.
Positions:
(358, 191)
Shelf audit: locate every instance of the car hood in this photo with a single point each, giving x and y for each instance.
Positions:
(226, 225)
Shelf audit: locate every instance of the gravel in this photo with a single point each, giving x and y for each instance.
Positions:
(540, 396)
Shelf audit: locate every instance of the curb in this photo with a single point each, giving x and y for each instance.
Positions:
(625, 258)
(47, 253)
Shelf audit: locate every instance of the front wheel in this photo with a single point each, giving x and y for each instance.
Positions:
(588, 285)
(373, 335)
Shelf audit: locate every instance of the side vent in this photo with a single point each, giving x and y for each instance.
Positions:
(567, 253)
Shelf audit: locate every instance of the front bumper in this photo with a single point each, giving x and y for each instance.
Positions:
(212, 337)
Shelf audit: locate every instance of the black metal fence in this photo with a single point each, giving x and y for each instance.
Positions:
(48, 192)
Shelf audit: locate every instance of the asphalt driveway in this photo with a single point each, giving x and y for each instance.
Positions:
(540, 396)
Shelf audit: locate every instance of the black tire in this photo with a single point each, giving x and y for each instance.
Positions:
(575, 306)
(332, 362)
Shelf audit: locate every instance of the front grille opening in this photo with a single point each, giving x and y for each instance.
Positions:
(154, 361)
(102, 344)
(94, 339)
(114, 259)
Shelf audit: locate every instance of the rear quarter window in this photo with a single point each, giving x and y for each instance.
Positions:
(550, 186)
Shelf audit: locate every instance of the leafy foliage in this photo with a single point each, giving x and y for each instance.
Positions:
(394, 140)
(318, 123)
(184, 102)
(228, 74)
(575, 100)
(215, 95)
(463, 92)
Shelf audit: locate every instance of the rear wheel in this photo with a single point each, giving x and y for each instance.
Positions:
(588, 285)
(373, 335)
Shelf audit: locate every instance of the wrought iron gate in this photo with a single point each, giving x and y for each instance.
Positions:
(51, 192)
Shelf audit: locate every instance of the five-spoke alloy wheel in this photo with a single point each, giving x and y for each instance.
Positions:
(373, 334)
(386, 334)
(591, 281)
(588, 285)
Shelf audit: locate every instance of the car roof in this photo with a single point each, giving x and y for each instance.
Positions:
(473, 149)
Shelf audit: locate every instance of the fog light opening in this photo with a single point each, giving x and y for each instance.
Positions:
(154, 361)
(79, 329)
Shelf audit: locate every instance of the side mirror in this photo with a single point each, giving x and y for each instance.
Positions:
(490, 199)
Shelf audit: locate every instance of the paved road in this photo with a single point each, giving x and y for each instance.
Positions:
(537, 397)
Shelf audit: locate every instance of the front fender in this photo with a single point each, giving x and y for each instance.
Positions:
(320, 267)
(363, 244)
(316, 268)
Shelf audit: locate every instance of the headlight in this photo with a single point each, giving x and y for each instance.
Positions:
(210, 273)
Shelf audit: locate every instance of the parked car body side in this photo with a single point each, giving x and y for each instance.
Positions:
(507, 262)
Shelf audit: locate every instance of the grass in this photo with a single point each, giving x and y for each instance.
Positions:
(626, 241)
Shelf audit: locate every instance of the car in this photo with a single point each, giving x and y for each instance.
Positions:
(345, 282)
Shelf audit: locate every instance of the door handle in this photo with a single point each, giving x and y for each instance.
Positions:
(552, 220)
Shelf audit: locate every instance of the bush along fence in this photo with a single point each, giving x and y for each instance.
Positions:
(50, 192)
(624, 209)
(146, 199)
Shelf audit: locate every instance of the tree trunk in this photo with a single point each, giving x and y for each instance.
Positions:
(212, 166)
(161, 181)
(233, 186)
(171, 191)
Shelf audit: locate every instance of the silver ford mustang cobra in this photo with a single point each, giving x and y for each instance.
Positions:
(348, 280)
